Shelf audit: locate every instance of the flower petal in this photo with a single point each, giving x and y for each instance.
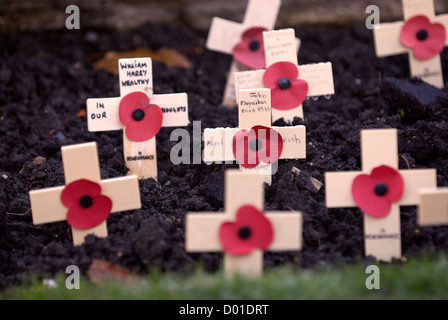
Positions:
(255, 33)
(272, 144)
(261, 232)
(241, 52)
(87, 218)
(72, 192)
(433, 45)
(408, 34)
(261, 227)
(279, 70)
(392, 178)
(129, 103)
(148, 127)
(285, 99)
(429, 47)
(363, 193)
(230, 242)
(243, 154)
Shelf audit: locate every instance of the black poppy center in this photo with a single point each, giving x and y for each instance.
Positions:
(244, 232)
(422, 34)
(255, 144)
(284, 83)
(138, 114)
(380, 189)
(85, 201)
(254, 45)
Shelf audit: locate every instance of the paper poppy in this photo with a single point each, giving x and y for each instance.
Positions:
(287, 92)
(425, 38)
(87, 208)
(251, 230)
(250, 50)
(257, 144)
(142, 119)
(375, 193)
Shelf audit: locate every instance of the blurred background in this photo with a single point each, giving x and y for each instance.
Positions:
(34, 15)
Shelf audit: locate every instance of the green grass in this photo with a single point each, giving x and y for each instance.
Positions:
(422, 278)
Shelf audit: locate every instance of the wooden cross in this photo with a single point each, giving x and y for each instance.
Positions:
(224, 35)
(433, 207)
(242, 188)
(280, 46)
(382, 235)
(254, 109)
(135, 75)
(388, 43)
(81, 162)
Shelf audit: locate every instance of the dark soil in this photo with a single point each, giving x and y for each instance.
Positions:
(46, 78)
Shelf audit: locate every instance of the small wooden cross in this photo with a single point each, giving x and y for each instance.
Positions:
(242, 189)
(388, 43)
(81, 162)
(280, 46)
(379, 147)
(433, 207)
(224, 35)
(254, 110)
(135, 78)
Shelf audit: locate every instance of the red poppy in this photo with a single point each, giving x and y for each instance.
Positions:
(250, 50)
(287, 92)
(142, 120)
(375, 193)
(425, 38)
(254, 145)
(87, 208)
(252, 230)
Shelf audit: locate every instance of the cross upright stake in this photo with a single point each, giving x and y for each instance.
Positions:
(224, 35)
(254, 110)
(242, 189)
(280, 47)
(144, 113)
(81, 163)
(433, 207)
(379, 148)
(388, 41)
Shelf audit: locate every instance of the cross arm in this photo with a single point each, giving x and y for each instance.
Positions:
(287, 230)
(338, 186)
(218, 144)
(102, 114)
(319, 77)
(248, 80)
(262, 13)
(443, 19)
(433, 208)
(294, 142)
(174, 107)
(202, 232)
(387, 39)
(124, 193)
(414, 180)
(223, 35)
(47, 206)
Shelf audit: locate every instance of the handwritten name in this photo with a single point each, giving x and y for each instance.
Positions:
(133, 65)
(174, 109)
